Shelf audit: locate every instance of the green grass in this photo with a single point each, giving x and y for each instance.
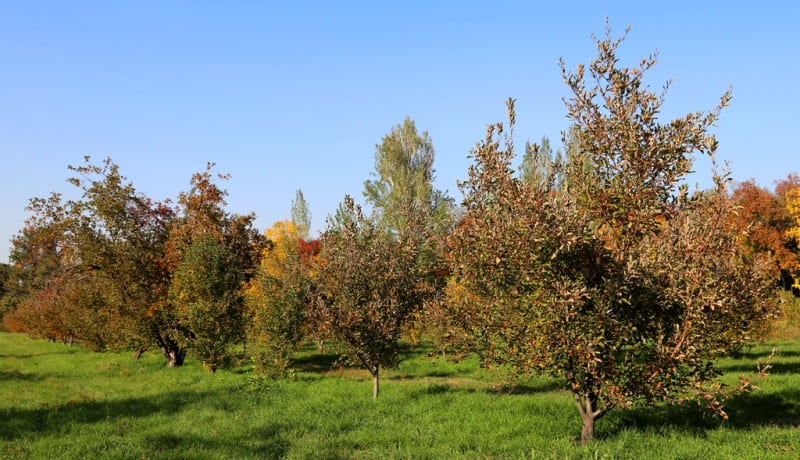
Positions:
(64, 402)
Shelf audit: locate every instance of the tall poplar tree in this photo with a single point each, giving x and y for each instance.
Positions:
(402, 194)
(301, 216)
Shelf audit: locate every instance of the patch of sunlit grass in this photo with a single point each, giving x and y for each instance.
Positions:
(65, 402)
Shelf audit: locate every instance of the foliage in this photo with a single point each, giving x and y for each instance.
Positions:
(611, 278)
(407, 206)
(212, 253)
(43, 315)
(99, 270)
(370, 285)
(279, 298)
(301, 216)
(787, 193)
(90, 270)
(536, 166)
(793, 206)
(5, 276)
(120, 238)
(205, 290)
(403, 185)
(202, 212)
(37, 251)
(766, 222)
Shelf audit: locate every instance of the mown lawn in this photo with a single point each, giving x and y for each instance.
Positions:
(64, 402)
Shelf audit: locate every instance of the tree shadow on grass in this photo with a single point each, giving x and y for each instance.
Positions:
(52, 417)
(747, 411)
(420, 351)
(750, 368)
(764, 354)
(504, 390)
(527, 388)
(428, 373)
(12, 375)
(318, 362)
(66, 351)
(269, 441)
(757, 408)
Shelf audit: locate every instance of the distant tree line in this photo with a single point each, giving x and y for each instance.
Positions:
(594, 264)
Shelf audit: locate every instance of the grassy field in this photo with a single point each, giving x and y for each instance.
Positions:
(64, 402)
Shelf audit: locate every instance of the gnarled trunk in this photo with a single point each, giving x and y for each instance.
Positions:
(172, 351)
(175, 356)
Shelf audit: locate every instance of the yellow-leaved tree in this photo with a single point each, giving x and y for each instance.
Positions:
(793, 205)
(278, 298)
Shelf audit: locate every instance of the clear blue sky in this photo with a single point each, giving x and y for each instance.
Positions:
(287, 95)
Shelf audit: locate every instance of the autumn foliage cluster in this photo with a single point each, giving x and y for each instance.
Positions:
(595, 264)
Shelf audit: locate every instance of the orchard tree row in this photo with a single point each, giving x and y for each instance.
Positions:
(116, 270)
(594, 264)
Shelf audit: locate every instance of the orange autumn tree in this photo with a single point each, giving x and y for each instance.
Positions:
(766, 223)
(211, 254)
(40, 252)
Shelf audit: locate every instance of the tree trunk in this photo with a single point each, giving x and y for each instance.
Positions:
(320, 346)
(590, 414)
(587, 432)
(375, 383)
(173, 352)
(175, 356)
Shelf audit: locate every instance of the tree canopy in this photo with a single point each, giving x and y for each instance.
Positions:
(370, 285)
(616, 279)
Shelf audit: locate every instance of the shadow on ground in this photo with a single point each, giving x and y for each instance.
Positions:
(10, 375)
(52, 417)
(747, 411)
(318, 362)
(269, 441)
(776, 368)
(65, 351)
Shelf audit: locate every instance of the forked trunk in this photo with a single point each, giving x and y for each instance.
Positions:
(590, 414)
